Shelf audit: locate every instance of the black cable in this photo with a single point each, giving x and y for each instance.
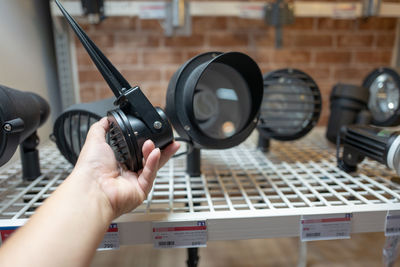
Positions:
(188, 151)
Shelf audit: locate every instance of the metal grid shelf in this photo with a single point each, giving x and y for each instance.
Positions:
(242, 192)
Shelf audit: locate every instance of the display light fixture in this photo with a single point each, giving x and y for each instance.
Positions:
(360, 141)
(383, 85)
(347, 102)
(290, 108)
(213, 100)
(135, 120)
(21, 114)
(72, 126)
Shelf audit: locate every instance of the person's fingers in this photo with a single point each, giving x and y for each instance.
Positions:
(149, 172)
(98, 130)
(148, 146)
(168, 152)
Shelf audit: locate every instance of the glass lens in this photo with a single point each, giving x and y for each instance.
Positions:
(221, 101)
(384, 97)
(288, 106)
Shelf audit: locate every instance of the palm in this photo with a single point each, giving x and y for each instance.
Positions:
(125, 190)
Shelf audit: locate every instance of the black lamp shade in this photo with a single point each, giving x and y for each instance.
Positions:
(214, 99)
(291, 105)
(384, 96)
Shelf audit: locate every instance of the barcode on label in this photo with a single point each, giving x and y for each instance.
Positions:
(394, 229)
(166, 243)
(313, 234)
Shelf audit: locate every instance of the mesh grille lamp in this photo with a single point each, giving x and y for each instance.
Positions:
(290, 108)
(213, 102)
(72, 126)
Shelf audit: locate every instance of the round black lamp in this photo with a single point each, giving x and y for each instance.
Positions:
(290, 108)
(384, 96)
(213, 100)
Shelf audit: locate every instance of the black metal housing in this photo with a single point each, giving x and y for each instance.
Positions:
(360, 141)
(72, 126)
(347, 101)
(181, 90)
(268, 126)
(369, 79)
(21, 114)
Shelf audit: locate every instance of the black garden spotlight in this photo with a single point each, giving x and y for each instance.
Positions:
(21, 114)
(290, 108)
(135, 120)
(383, 85)
(347, 105)
(376, 143)
(72, 126)
(213, 100)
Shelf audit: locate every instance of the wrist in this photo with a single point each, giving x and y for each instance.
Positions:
(88, 192)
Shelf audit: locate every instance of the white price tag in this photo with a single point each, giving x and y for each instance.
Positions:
(251, 11)
(180, 234)
(111, 238)
(345, 11)
(152, 10)
(325, 227)
(392, 225)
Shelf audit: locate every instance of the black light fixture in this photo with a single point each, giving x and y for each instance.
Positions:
(290, 108)
(360, 141)
(135, 120)
(347, 102)
(213, 100)
(72, 126)
(383, 85)
(21, 114)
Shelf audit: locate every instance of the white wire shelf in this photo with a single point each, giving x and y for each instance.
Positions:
(242, 192)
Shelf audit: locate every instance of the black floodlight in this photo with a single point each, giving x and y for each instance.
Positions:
(213, 100)
(347, 102)
(383, 85)
(360, 141)
(72, 126)
(291, 106)
(21, 114)
(136, 120)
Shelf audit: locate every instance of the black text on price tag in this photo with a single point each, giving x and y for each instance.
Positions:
(111, 238)
(186, 234)
(325, 227)
(392, 225)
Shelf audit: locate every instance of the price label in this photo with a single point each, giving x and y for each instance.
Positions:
(188, 234)
(325, 227)
(5, 232)
(251, 11)
(345, 11)
(392, 225)
(111, 239)
(152, 10)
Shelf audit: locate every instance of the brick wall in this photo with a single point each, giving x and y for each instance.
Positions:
(329, 50)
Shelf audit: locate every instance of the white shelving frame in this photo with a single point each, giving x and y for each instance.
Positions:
(242, 192)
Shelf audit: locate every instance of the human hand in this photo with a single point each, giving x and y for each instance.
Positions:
(124, 190)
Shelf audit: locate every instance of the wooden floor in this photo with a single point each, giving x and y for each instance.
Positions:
(361, 250)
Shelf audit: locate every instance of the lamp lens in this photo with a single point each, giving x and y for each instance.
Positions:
(384, 97)
(288, 106)
(221, 102)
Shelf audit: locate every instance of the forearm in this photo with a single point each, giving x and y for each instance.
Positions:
(65, 231)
